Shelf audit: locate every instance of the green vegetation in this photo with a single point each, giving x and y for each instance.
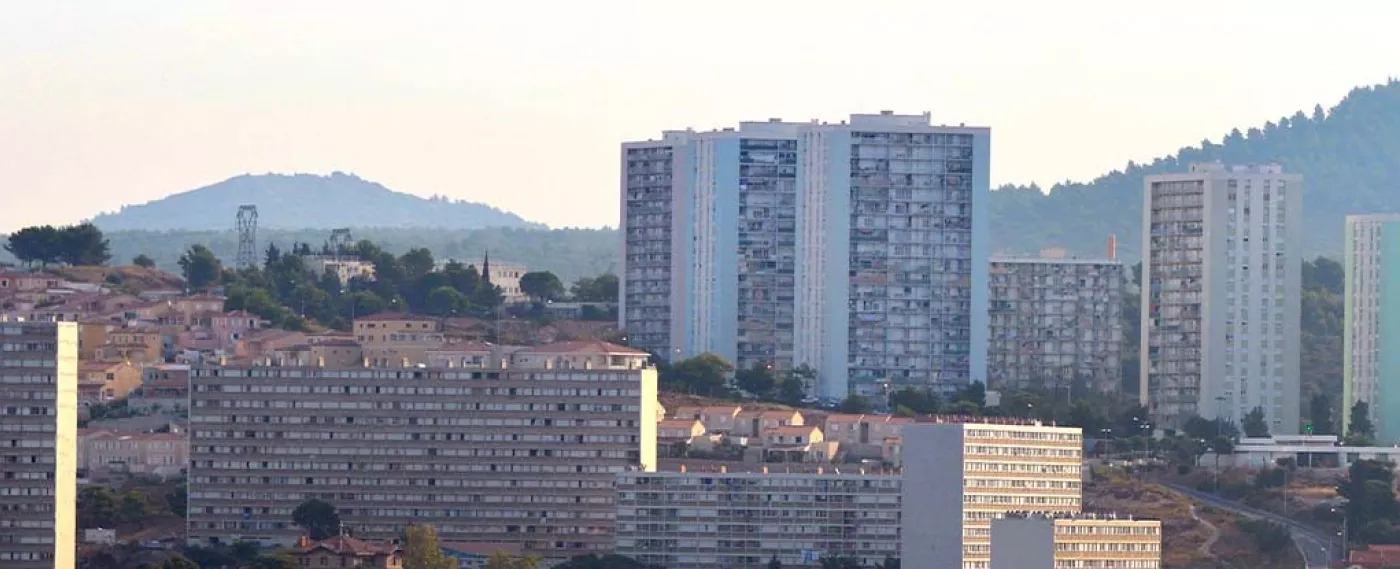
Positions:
(609, 561)
(1345, 156)
(48, 245)
(1372, 512)
(318, 518)
(422, 551)
(503, 560)
(1360, 430)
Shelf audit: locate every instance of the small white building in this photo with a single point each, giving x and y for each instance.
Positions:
(1307, 451)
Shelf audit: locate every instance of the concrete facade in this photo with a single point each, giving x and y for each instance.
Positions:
(1371, 352)
(892, 249)
(1221, 295)
(38, 445)
(1056, 323)
(958, 477)
(521, 452)
(701, 520)
(1041, 541)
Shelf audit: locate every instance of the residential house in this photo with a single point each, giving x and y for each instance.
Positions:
(259, 343)
(345, 551)
(576, 355)
(1373, 557)
(140, 345)
(219, 331)
(163, 387)
(863, 436)
(753, 423)
(717, 418)
(100, 382)
(468, 355)
(674, 436)
(396, 339)
(130, 452)
(797, 443)
(28, 282)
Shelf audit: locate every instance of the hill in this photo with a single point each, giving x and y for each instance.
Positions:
(569, 253)
(1346, 156)
(300, 201)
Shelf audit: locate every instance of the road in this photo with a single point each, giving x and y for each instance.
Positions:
(1315, 546)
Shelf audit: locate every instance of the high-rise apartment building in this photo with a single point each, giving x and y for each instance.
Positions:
(38, 444)
(847, 247)
(1049, 541)
(958, 477)
(520, 451)
(1221, 290)
(892, 250)
(1371, 368)
(699, 520)
(709, 225)
(1056, 323)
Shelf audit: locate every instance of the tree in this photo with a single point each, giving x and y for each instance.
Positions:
(701, 375)
(143, 261)
(36, 245)
(200, 267)
(97, 507)
(758, 380)
(773, 563)
(1370, 492)
(417, 262)
(917, 401)
(83, 245)
(445, 301)
(1361, 431)
(275, 561)
(602, 288)
(178, 562)
(421, 550)
(1255, 426)
(487, 299)
(839, 562)
(1320, 415)
(542, 286)
(856, 404)
(134, 506)
(503, 560)
(319, 519)
(890, 563)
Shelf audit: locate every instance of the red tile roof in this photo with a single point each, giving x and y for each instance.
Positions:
(583, 347)
(346, 545)
(395, 317)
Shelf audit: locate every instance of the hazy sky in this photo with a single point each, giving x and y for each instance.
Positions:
(522, 104)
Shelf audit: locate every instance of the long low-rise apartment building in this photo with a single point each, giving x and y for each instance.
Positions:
(519, 451)
(694, 520)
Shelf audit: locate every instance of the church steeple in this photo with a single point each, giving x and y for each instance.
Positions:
(486, 268)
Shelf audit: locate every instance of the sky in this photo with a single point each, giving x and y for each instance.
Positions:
(523, 104)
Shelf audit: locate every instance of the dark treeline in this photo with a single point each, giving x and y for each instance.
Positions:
(42, 246)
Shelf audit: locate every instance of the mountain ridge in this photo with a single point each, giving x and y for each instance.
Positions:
(306, 201)
(1345, 154)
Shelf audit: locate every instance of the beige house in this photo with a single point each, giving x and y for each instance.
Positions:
(717, 418)
(156, 454)
(863, 436)
(140, 345)
(672, 431)
(753, 423)
(397, 339)
(102, 382)
(578, 355)
(345, 551)
(163, 387)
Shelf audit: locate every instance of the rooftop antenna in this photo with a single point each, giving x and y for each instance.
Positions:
(247, 236)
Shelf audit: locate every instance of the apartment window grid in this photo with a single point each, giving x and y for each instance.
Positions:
(1175, 289)
(694, 520)
(1055, 325)
(29, 459)
(767, 252)
(997, 463)
(911, 258)
(647, 208)
(522, 457)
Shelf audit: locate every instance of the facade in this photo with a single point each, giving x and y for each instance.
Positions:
(1221, 251)
(164, 387)
(1048, 541)
(892, 249)
(110, 451)
(506, 276)
(958, 477)
(868, 278)
(38, 444)
(700, 520)
(346, 551)
(710, 237)
(345, 267)
(522, 452)
(1056, 323)
(1371, 368)
(105, 382)
(397, 340)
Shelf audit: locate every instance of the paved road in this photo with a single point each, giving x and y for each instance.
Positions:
(1316, 547)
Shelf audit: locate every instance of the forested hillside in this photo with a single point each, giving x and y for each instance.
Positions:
(569, 253)
(1347, 157)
